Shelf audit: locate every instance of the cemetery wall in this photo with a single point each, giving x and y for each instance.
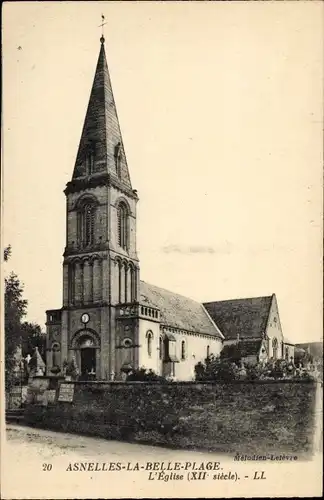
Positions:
(241, 417)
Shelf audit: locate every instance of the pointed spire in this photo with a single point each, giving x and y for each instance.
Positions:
(101, 147)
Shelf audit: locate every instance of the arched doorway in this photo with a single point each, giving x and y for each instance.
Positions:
(87, 359)
(86, 346)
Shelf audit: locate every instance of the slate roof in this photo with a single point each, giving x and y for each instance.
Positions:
(178, 311)
(246, 317)
(243, 348)
(101, 131)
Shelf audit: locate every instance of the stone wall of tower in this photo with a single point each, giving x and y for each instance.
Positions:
(124, 263)
(100, 194)
(116, 196)
(53, 341)
(98, 327)
(124, 280)
(88, 279)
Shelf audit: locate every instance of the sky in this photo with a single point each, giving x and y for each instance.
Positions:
(220, 106)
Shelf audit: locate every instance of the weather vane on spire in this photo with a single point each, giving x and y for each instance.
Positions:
(102, 39)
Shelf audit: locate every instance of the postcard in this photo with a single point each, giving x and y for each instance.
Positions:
(162, 249)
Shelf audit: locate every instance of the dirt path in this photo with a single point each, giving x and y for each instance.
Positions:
(49, 443)
(43, 464)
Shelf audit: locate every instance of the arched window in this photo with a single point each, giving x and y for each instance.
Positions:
(122, 223)
(86, 218)
(183, 350)
(208, 351)
(275, 348)
(287, 354)
(88, 224)
(149, 337)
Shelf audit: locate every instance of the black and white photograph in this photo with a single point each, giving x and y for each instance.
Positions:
(162, 215)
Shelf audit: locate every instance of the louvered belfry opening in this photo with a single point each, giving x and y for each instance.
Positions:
(86, 222)
(122, 216)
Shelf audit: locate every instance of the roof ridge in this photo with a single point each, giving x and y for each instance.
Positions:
(243, 317)
(237, 299)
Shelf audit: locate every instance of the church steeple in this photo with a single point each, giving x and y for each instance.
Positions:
(101, 148)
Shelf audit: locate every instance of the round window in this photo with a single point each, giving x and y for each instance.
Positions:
(127, 342)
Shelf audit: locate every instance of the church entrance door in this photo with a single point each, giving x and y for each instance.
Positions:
(86, 346)
(88, 363)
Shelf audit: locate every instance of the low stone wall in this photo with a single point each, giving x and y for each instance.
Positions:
(241, 417)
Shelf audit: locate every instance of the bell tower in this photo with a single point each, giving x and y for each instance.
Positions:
(100, 267)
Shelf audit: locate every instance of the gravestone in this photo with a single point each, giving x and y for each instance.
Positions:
(66, 393)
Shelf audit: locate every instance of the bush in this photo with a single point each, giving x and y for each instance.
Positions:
(279, 369)
(144, 375)
(217, 369)
(225, 370)
(256, 372)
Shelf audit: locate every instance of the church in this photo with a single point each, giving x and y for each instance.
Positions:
(112, 322)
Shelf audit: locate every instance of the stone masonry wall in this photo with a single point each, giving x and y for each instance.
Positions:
(238, 417)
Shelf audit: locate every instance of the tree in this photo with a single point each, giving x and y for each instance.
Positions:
(20, 338)
(15, 310)
(32, 336)
(7, 253)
